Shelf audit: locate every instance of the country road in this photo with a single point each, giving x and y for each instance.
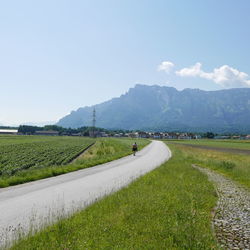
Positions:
(40, 202)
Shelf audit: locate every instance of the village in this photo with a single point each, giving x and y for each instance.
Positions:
(137, 134)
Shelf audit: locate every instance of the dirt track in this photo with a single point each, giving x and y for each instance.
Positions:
(227, 150)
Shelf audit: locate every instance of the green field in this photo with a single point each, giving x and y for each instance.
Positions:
(235, 144)
(29, 158)
(233, 165)
(19, 153)
(168, 208)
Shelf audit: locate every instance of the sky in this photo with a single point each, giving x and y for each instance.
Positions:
(58, 55)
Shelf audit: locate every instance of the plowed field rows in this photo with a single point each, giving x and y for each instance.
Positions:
(38, 152)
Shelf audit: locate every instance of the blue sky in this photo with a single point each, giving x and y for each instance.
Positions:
(57, 56)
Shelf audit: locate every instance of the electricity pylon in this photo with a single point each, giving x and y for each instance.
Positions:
(93, 122)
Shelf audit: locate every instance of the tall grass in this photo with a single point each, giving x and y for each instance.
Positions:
(232, 165)
(168, 208)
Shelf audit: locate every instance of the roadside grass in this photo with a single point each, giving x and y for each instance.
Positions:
(232, 165)
(168, 208)
(110, 149)
(103, 151)
(236, 144)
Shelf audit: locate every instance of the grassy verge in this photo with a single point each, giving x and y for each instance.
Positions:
(104, 150)
(232, 165)
(168, 208)
(110, 149)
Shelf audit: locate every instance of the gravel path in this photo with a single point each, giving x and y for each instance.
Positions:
(232, 216)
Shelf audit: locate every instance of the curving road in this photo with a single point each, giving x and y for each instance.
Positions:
(37, 203)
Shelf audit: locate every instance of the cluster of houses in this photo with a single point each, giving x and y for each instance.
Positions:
(159, 135)
(165, 135)
(152, 135)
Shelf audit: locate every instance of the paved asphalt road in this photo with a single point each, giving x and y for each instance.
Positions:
(41, 202)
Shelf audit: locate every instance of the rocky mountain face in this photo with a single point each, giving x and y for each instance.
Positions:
(158, 108)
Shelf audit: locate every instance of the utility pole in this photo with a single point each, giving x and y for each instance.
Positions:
(93, 122)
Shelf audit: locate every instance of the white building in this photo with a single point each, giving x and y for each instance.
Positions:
(8, 131)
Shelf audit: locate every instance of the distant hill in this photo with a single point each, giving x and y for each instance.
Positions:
(159, 108)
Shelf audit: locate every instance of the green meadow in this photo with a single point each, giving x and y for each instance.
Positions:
(234, 144)
(233, 165)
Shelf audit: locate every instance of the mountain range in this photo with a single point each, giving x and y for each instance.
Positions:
(160, 108)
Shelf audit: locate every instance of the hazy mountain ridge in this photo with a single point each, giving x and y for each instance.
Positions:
(165, 108)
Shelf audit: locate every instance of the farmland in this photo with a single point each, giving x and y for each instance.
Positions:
(16, 155)
(29, 158)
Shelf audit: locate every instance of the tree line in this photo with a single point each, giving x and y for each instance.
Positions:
(84, 131)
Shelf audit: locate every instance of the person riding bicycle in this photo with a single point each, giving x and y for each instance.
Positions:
(134, 148)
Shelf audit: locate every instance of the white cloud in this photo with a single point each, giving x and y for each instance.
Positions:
(225, 76)
(194, 70)
(166, 66)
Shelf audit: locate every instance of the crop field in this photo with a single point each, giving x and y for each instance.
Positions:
(29, 158)
(34, 152)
